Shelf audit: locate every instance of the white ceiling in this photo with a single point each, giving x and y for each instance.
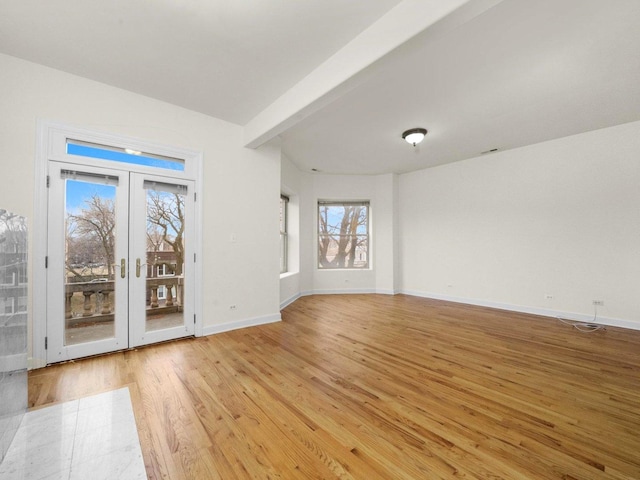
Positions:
(523, 72)
(226, 58)
(519, 73)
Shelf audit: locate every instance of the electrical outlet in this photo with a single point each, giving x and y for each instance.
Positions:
(599, 303)
(548, 296)
(232, 307)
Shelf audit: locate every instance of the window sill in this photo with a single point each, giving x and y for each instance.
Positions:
(287, 274)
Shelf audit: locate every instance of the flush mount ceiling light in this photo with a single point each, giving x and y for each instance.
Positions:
(414, 135)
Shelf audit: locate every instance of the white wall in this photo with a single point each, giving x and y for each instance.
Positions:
(240, 186)
(384, 210)
(559, 218)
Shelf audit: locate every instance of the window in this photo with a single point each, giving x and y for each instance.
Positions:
(22, 304)
(165, 270)
(7, 306)
(7, 278)
(284, 250)
(343, 234)
(124, 155)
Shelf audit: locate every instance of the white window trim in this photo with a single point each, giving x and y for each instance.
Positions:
(164, 269)
(316, 235)
(51, 145)
(13, 280)
(6, 302)
(285, 259)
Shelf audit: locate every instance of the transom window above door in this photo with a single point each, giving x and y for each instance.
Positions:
(123, 155)
(120, 249)
(72, 145)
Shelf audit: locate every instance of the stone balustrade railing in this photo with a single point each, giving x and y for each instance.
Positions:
(169, 284)
(98, 296)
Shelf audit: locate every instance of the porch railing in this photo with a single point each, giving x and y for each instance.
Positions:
(97, 301)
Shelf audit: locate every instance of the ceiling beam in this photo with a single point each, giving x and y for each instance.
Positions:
(355, 61)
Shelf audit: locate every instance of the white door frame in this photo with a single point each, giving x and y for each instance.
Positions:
(58, 350)
(51, 145)
(138, 335)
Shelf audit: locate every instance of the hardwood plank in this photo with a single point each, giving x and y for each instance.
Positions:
(374, 386)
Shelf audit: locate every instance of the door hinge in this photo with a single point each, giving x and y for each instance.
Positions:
(46, 262)
(195, 196)
(48, 181)
(46, 342)
(194, 318)
(194, 258)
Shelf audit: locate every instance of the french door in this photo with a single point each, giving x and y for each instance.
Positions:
(121, 260)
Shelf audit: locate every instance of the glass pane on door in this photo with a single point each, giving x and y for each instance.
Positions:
(89, 264)
(165, 254)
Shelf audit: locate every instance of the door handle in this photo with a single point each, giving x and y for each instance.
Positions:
(138, 267)
(123, 268)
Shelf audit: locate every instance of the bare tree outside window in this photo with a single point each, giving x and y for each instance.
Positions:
(91, 232)
(343, 235)
(91, 237)
(165, 223)
(155, 239)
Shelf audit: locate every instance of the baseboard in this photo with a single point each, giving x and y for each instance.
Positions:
(352, 291)
(35, 363)
(289, 301)
(385, 292)
(236, 324)
(305, 293)
(544, 312)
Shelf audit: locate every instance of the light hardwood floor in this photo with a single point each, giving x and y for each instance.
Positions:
(378, 387)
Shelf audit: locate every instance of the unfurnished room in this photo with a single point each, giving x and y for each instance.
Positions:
(285, 239)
